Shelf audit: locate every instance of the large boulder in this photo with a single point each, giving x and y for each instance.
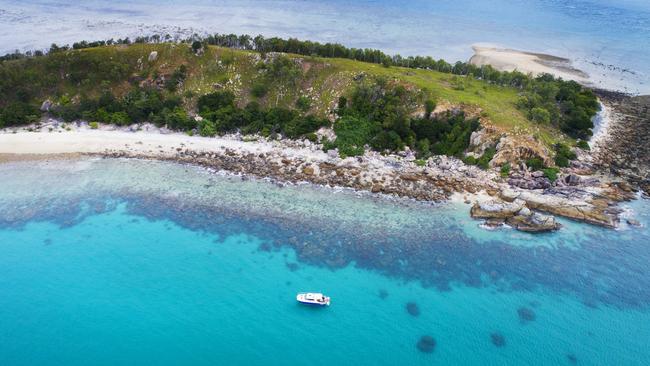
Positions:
(45, 107)
(515, 149)
(572, 180)
(495, 209)
(533, 222)
(580, 207)
(153, 56)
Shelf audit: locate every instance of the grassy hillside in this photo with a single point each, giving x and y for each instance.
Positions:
(86, 71)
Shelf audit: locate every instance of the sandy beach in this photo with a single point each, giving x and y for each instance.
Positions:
(149, 141)
(504, 59)
(284, 160)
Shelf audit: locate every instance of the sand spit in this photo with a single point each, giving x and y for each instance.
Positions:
(504, 59)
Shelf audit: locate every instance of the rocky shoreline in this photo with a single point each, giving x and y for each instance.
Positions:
(625, 150)
(524, 200)
(391, 175)
(590, 200)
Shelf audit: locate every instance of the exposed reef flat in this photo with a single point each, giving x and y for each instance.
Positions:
(625, 150)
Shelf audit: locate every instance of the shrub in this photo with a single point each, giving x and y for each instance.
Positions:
(352, 134)
(505, 170)
(215, 101)
(18, 113)
(342, 104)
(299, 126)
(178, 119)
(484, 161)
(259, 89)
(540, 115)
(535, 163)
(561, 161)
(94, 125)
(176, 78)
(470, 160)
(423, 148)
(303, 103)
(563, 155)
(120, 118)
(311, 137)
(429, 107)
(196, 46)
(387, 140)
(207, 129)
(584, 145)
(551, 173)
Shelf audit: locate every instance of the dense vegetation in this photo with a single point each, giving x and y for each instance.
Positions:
(378, 114)
(221, 115)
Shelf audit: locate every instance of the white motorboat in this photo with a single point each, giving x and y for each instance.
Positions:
(313, 298)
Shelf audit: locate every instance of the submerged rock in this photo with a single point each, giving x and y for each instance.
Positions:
(572, 358)
(498, 339)
(426, 344)
(526, 314)
(494, 223)
(413, 309)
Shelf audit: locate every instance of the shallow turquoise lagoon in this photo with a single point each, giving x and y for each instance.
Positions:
(120, 262)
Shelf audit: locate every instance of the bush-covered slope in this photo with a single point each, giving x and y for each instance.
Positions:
(268, 92)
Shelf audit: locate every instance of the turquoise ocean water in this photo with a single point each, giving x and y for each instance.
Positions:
(116, 262)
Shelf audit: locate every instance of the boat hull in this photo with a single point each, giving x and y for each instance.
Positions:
(313, 299)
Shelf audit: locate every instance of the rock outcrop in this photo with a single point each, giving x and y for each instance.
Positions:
(514, 149)
(516, 214)
(570, 203)
(496, 209)
(534, 223)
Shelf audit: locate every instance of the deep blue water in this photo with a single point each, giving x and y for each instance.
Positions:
(122, 262)
(606, 38)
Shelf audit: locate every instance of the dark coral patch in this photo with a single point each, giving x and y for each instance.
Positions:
(292, 266)
(383, 294)
(413, 308)
(572, 358)
(426, 344)
(498, 339)
(526, 314)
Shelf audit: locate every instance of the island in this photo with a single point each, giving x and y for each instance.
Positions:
(519, 148)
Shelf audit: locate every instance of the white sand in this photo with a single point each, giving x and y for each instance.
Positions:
(153, 143)
(602, 122)
(504, 59)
